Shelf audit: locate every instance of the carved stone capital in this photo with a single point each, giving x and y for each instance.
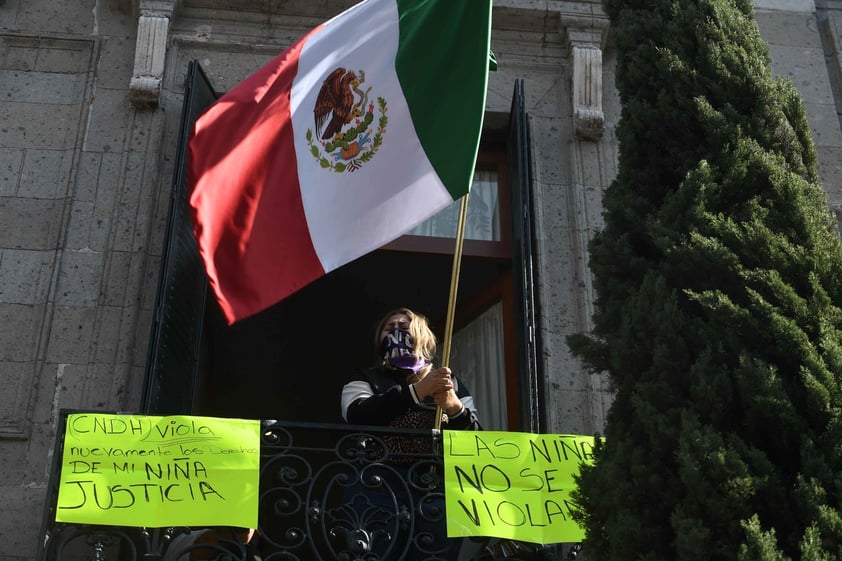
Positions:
(149, 57)
(585, 40)
(163, 8)
(137, 7)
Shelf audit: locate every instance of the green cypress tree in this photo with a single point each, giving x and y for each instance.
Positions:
(719, 282)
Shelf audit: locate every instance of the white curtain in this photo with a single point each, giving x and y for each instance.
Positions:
(477, 358)
(483, 220)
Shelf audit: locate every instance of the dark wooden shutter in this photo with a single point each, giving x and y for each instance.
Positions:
(175, 342)
(530, 380)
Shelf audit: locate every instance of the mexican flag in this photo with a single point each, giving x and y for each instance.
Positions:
(364, 128)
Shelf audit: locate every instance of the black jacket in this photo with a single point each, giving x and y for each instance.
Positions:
(379, 396)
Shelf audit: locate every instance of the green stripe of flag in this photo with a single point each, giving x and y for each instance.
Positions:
(442, 64)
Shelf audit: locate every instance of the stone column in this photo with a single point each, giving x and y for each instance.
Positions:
(150, 52)
(592, 163)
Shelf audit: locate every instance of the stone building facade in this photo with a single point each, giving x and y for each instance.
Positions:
(91, 97)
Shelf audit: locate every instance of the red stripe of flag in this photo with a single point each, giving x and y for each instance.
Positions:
(246, 202)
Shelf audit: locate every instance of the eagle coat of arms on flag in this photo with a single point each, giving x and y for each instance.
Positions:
(344, 136)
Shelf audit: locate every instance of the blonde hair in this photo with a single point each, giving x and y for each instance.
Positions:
(419, 329)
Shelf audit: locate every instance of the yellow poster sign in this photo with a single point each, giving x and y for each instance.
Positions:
(513, 485)
(137, 470)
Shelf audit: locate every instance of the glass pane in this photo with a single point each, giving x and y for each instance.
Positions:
(483, 222)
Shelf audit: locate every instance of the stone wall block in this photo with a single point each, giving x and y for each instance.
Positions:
(117, 23)
(149, 286)
(117, 281)
(14, 401)
(25, 275)
(830, 29)
(32, 125)
(17, 355)
(134, 336)
(586, 180)
(41, 87)
(108, 123)
(574, 405)
(41, 445)
(70, 386)
(110, 180)
(147, 138)
(64, 56)
(105, 381)
(104, 376)
(57, 16)
(45, 174)
(785, 7)
(79, 278)
(109, 335)
(20, 506)
(78, 236)
(128, 206)
(789, 29)
(36, 223)
(8, 16)
(14, 457)
(71, 336)
(137, 285)
(48, 393)
(127, 7)
(100, 232)
(130, 393)
(114, 68)
(20, 320)
(145, 218)
(591, 219)
(143, 272)
(11, 164)
(159, 224)
(548, 137)
(18, 53)
(86, 177)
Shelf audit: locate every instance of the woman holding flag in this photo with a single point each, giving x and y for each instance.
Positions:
(404, 390)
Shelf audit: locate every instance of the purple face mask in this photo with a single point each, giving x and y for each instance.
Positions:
(397, 349)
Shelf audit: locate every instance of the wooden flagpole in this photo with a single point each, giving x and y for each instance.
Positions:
(454, 285)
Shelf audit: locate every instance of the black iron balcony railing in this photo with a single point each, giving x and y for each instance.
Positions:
(327, 492)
